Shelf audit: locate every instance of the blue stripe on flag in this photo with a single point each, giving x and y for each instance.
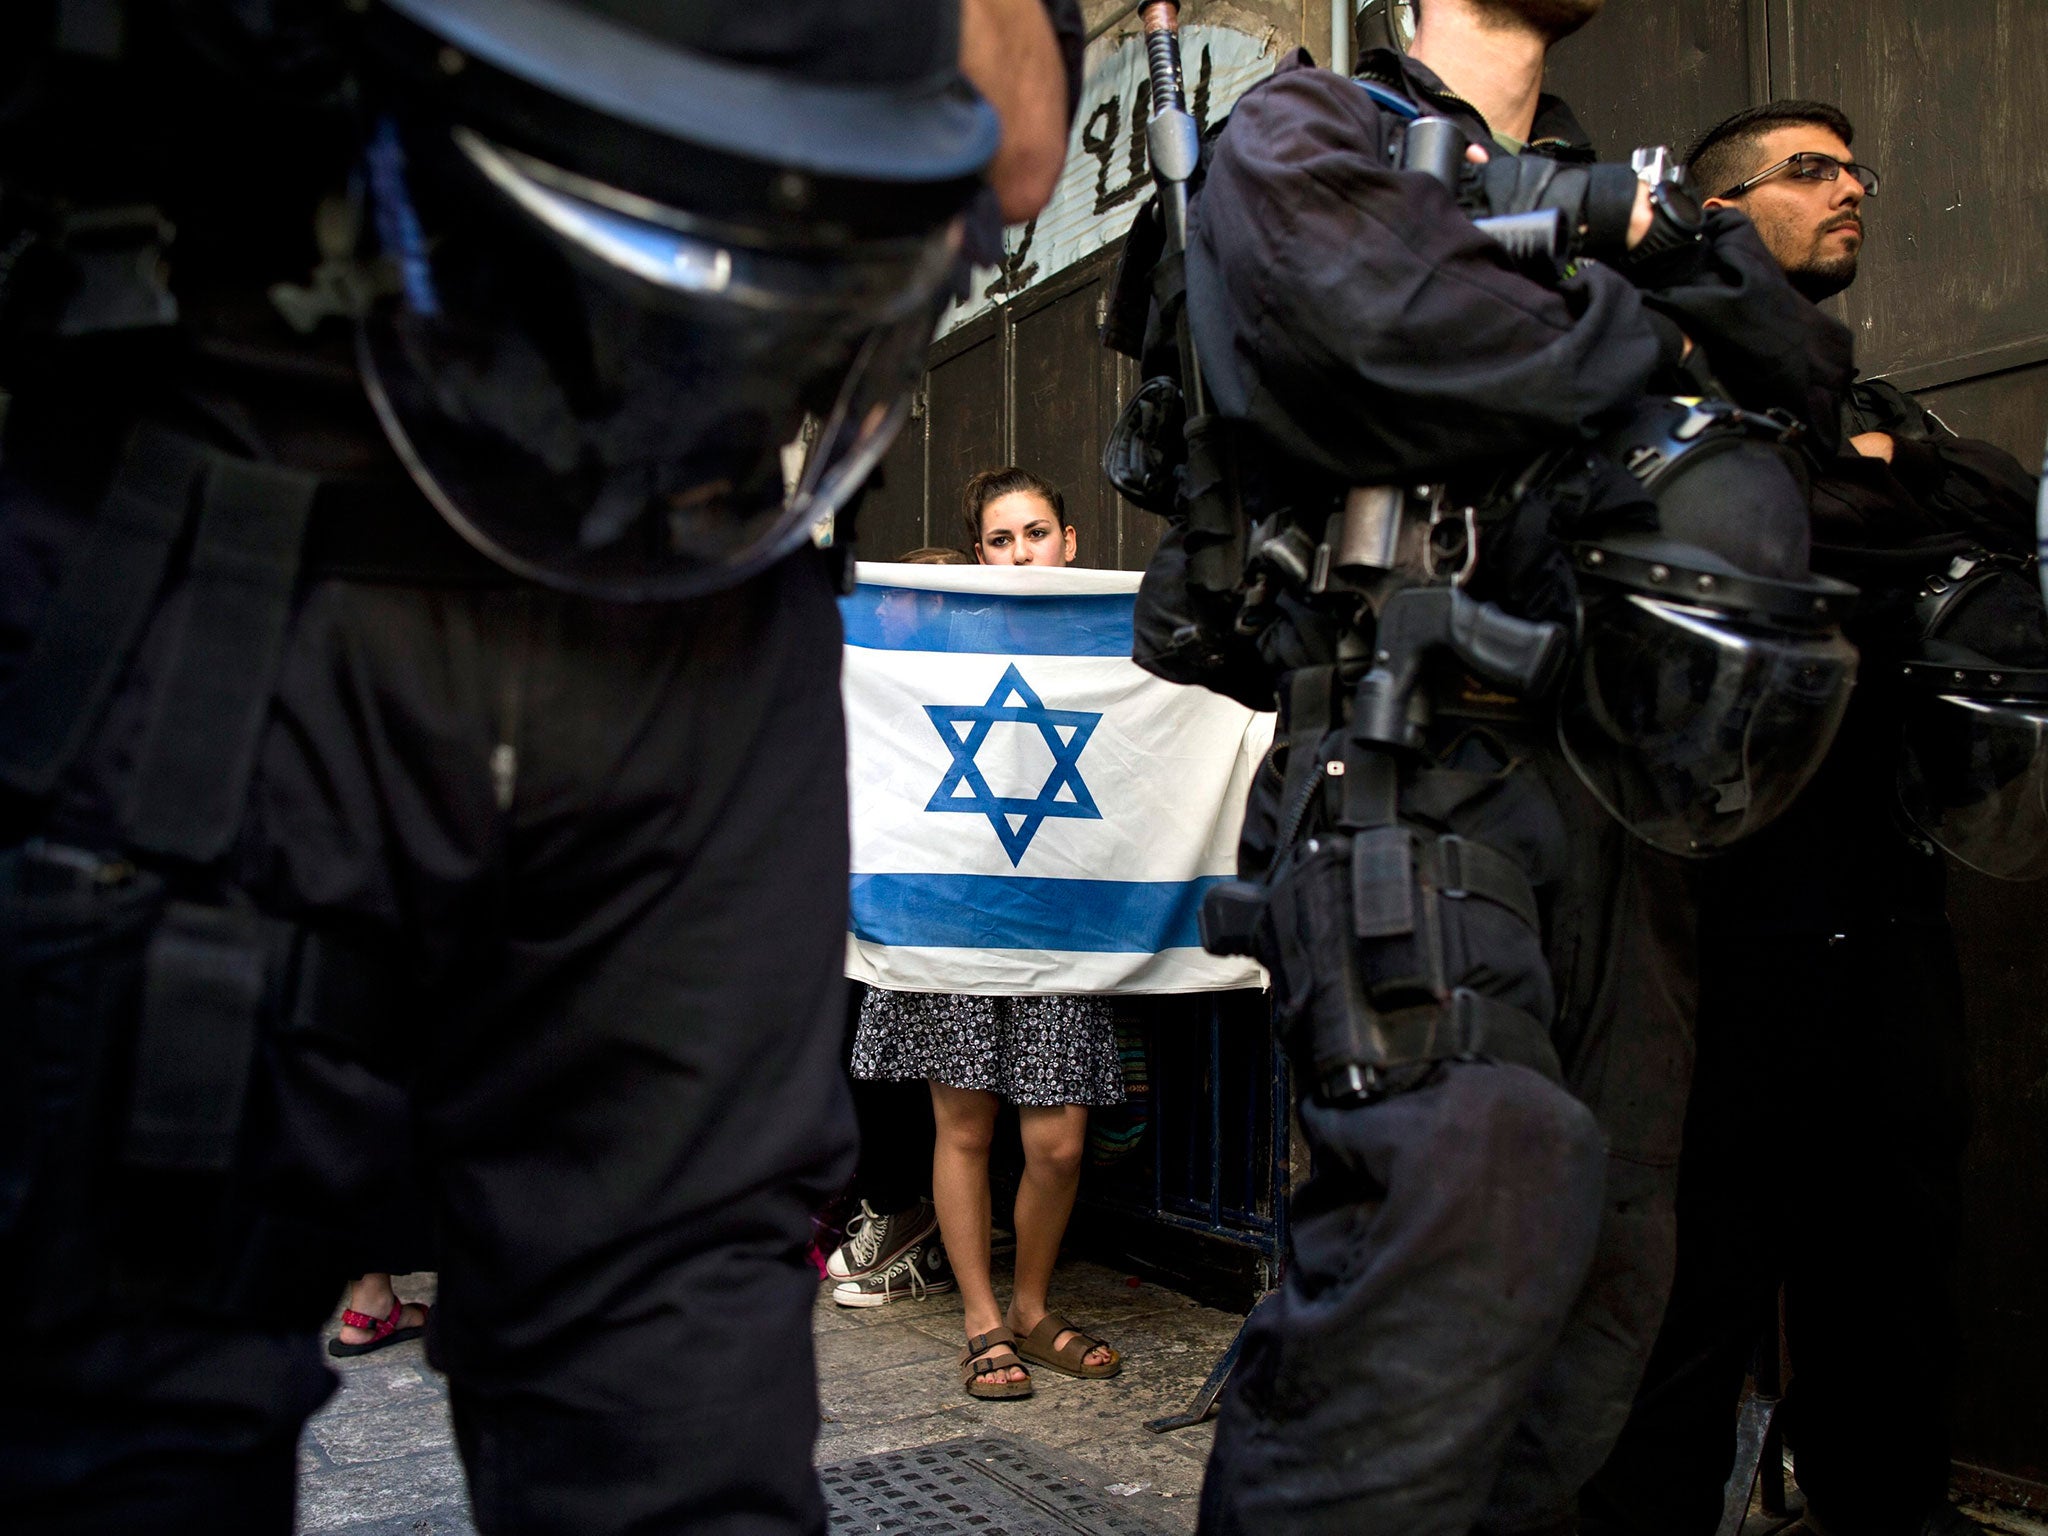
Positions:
(1018, 912)
(912, 619)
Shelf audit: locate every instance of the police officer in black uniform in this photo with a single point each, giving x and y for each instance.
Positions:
(1485, 978)
(1825, 1135)
(420, 748)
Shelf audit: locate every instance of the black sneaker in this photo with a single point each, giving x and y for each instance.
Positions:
(875, 1242)
(918, 1272)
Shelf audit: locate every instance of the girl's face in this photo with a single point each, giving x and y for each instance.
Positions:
(1020, 529)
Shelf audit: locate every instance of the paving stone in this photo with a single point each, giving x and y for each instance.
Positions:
(848, 1357)
(909, 1390)
(352, 1439)
(845, 1442)
(432, 1522)
(427, 1484)
(392, 1380)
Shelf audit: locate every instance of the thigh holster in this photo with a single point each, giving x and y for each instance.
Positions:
(1392, 949)
(1394, 942)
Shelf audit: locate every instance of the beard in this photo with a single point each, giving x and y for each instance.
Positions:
(1555, 19)
(1822, 277)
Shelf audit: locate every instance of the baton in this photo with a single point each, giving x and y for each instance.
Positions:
(1175, 144)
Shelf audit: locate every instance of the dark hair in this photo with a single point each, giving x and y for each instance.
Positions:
(933, 554)
(993, 484)
(1725, 153)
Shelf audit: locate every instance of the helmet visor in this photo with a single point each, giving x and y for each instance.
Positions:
(1973, 776)
(1694, 728)
(616, 398)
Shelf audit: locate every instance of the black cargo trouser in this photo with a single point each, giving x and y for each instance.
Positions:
(605, 849)
(1822, 1153)
(1479, 1264)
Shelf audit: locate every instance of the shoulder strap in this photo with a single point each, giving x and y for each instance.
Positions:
(1389, 98)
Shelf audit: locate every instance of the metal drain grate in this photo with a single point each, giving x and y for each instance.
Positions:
(982, 1487)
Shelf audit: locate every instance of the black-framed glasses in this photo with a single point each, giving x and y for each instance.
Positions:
(1810, 165)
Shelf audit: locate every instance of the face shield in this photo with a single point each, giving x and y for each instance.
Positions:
(1973, 774)
(610, 395)
(1701, 701)
(1973, 763)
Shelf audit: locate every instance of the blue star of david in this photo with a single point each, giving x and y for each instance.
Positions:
(964, 727)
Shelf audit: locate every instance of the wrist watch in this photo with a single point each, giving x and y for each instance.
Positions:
(1677, 220)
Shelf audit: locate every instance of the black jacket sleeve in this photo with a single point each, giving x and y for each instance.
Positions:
(1964, 485)
(1355, 315)
(1767, 344)
(1884, 526)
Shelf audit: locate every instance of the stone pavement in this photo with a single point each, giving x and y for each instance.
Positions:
(379, 1460)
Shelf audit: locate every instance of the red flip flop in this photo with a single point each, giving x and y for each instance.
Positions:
(381, 1333)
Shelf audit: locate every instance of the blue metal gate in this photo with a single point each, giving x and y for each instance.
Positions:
(1212, 1156)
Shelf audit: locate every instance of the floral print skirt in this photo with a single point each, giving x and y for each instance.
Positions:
(1038, 1050)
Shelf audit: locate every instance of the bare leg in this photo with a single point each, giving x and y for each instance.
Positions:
(1054, 1138)
(965, 1122)
(373, 1297)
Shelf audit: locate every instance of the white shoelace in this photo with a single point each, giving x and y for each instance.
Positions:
(907, 1263)
(864, 1235)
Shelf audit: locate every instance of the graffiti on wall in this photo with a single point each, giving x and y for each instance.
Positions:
(1108, 172)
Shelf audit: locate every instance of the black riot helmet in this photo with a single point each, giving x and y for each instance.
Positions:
(1711, 673)
(1973, 765)
(667, 271)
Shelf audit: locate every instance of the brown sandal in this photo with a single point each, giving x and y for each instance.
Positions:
(987, 1353)
(1071, 1358)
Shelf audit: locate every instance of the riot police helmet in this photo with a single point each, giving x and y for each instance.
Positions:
(1973, 765)
(664, 273)
(1711, 673)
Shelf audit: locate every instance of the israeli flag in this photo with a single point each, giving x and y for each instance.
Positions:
(1032, 812)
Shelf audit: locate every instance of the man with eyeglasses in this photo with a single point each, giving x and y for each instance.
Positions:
(1827, 1117)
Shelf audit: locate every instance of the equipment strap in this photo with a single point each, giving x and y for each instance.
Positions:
(99, 610)
(1386, 860)
(1389, 98)
(1460, 868)
(1307, 723)
(227, 644)
(1215, 525)
(1470, 1025)
(1466, 1026)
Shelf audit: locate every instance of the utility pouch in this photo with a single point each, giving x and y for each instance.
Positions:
(74, 930)
(205, 985)
(134, 1023)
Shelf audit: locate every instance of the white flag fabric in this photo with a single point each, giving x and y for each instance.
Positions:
(1032, 812)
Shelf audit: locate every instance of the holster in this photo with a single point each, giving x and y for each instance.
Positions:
(1380, 944)
(1393, 943)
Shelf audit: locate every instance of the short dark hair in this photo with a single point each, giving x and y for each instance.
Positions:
(993, 484)
(1725, 154)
